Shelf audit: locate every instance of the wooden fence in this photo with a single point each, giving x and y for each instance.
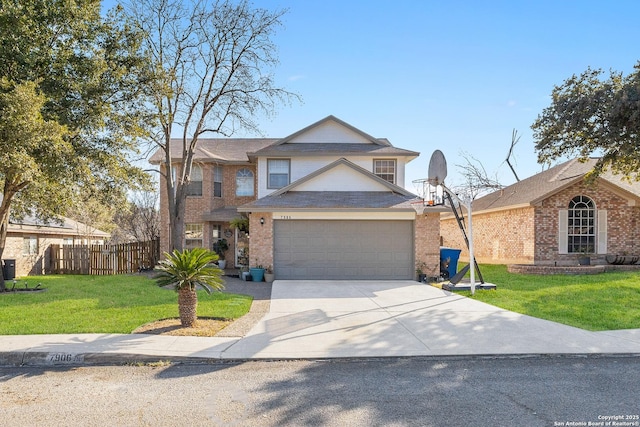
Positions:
(105, 259)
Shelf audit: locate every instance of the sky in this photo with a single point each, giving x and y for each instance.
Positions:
(458, 76)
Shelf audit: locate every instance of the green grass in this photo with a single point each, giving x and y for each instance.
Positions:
(101, 304)
(598, 302)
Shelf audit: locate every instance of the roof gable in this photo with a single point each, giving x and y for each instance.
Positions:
(331, 130)
(535, 189)
(332, 178)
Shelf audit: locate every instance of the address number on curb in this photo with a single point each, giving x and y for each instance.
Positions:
(62, 358)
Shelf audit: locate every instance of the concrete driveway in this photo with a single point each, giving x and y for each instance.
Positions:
(325, 319)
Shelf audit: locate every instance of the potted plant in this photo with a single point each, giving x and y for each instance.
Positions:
(257, 273)
(244, 273)
(241, 223)
(268, 274)
(422, 277)
(583, 257)
(220, 247)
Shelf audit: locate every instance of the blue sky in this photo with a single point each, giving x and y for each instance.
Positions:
(457, 76)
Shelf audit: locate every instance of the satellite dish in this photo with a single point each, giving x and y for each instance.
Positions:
(437, 168)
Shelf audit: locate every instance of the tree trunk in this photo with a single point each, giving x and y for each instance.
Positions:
(4, 228)
(187, 306)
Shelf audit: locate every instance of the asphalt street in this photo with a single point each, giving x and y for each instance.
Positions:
(525, 391)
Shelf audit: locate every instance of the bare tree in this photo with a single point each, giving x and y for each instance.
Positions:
(213, 62)
(476, 179)
(140, 222)
(514, 140)
(91, 215)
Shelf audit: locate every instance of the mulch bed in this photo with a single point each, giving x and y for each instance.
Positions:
(204, 327)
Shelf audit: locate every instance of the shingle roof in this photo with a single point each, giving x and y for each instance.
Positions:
(330, 200)
(290, 149)
(63, 225)
(225, 214)
(229, 150)
(540, 186)
(240, 149)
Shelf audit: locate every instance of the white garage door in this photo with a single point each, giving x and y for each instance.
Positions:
(335, 250)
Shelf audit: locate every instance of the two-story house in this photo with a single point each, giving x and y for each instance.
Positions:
(326, 202)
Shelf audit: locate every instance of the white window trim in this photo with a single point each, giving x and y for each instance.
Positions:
(395, 169)
(250, 177)
(201, 239)
(33, 248)
(269, 186)
(217, 168)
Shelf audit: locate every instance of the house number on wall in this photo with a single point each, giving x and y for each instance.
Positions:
(285, 217)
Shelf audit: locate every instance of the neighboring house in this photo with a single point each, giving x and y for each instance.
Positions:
(326, 202)
(552, 218)
(29, 242)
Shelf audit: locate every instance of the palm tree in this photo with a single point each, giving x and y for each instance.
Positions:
(185, 270)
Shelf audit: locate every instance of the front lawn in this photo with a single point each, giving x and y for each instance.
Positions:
(101, 304)
(598, 302)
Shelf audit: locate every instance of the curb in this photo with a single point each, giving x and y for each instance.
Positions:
(57, 360)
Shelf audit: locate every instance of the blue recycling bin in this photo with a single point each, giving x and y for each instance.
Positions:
(449, 260)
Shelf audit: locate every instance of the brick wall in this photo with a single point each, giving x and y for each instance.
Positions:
(622, 222)
(196, 206)
(502, 237)
(30, 264)
(427, 243)
(530, 235)
(261, 240)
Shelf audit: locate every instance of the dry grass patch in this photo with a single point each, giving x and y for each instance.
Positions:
(204, 327)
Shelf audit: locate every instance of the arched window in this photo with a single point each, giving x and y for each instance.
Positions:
(581, 224)
(244, 182)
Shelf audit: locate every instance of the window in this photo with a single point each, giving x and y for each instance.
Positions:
(216, 232)
(244, 182)
(278, 173)
(217, 181)
(195, 182)
(30, 245)
(385, 169)
(192, 236)
(581, 233)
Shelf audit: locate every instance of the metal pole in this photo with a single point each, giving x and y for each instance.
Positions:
(472, 267)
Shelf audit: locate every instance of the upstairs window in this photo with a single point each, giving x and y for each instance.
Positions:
(244, 182)
(217, 181)
(581, 222)
(195, 183)
(385, 169)
(278, 171)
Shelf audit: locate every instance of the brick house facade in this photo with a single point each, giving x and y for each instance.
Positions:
(29, 242)
(332, 180)
(527, 222)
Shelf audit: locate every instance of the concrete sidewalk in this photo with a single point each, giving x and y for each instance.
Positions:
(339, 319)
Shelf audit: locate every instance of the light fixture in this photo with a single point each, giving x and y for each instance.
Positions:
(261, 220)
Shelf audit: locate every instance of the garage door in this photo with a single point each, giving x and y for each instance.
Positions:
(335, 250)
